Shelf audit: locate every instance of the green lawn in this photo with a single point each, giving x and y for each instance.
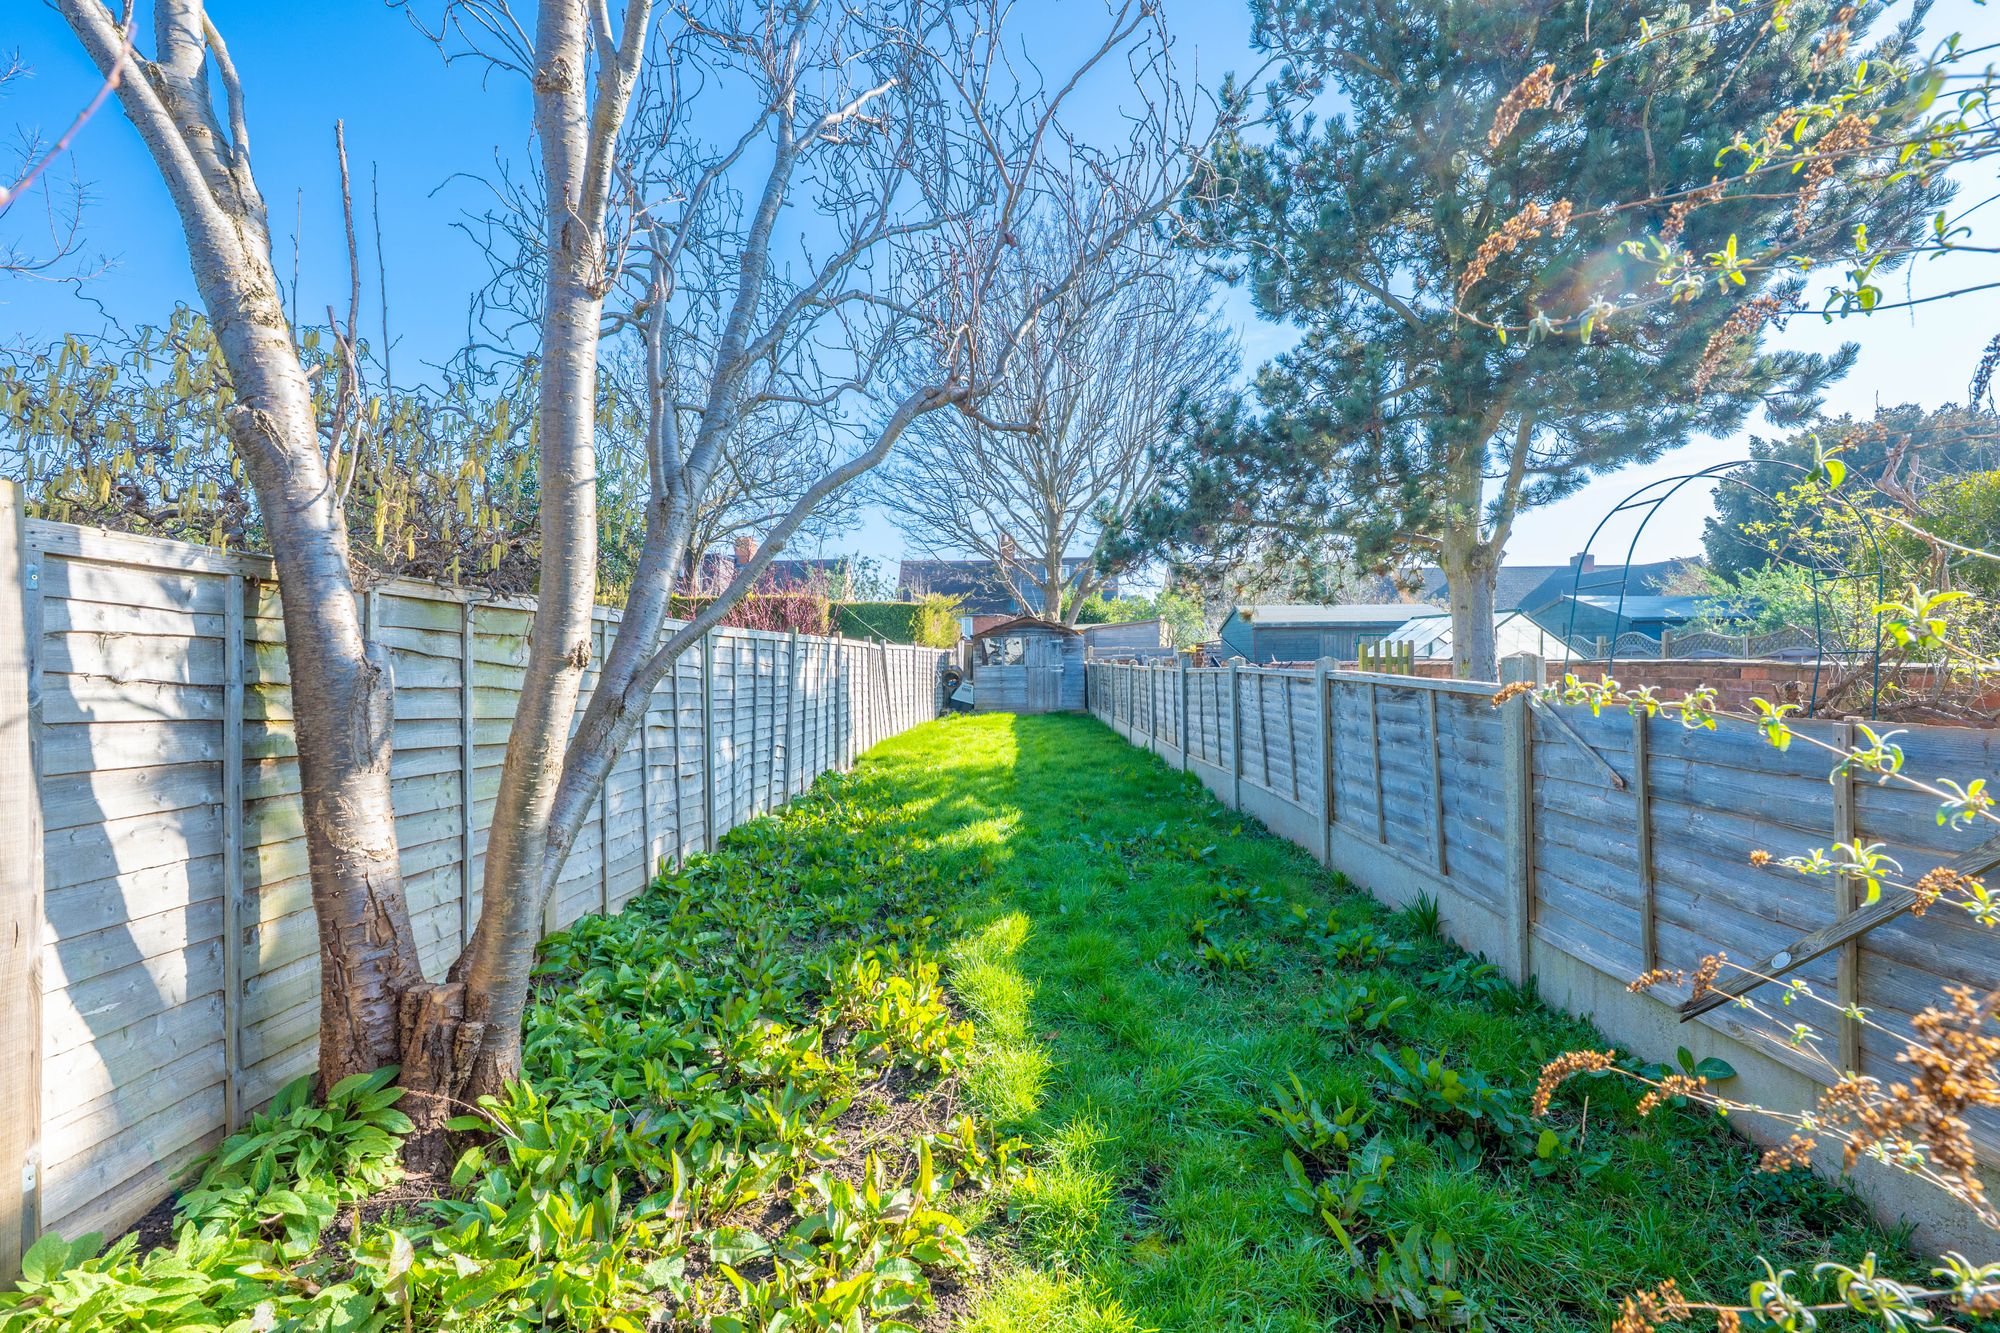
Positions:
(1144, 968)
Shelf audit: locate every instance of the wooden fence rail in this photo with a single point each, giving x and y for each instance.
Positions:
(179, 963)
(1585, 850)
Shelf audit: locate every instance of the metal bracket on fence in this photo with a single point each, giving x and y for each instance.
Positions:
(1975, 862)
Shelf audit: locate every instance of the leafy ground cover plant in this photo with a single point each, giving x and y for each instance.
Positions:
(727, 1122)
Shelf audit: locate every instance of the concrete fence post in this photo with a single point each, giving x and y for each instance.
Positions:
(20, 891)
(468, 831)
(1323, 695)
(1236, 732)
(793, 726)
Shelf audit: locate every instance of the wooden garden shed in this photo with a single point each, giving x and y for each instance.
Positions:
(1027, 665)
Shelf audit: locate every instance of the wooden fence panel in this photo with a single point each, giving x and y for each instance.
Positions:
(178, 981)
(135, 1070)
(1471, 735)
(1402, 750)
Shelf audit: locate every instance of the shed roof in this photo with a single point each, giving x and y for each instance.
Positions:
(1348, 613)
(1513, 632)
(1026, 622)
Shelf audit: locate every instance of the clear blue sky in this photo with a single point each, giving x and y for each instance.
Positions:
(426, 129)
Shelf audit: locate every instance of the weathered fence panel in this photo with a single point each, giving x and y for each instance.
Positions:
(1587, 849)
(178, 959)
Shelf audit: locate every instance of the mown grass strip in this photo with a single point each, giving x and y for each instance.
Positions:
(1146, 973)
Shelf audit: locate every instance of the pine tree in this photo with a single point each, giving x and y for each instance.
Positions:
(1424, 173)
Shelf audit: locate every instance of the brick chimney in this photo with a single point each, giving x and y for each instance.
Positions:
(1584, 561)
(746, 550)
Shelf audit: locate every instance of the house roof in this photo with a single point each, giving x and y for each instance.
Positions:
(1026, 622)
(978, 582)
(1511, 585)
(1284, 615)
(1590, 615)
(791, 573)
(1641, 580)
(718, 567)
(1644, 608)
(1525, 587)
(1118, 624)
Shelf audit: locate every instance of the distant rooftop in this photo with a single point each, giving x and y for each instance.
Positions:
(1347, 613)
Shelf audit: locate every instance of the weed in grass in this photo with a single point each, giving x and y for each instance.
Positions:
(1424, 917)
(1354, 1014)
(1472, 979)
(1320, 1134)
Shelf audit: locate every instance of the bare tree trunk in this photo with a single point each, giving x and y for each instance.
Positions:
(1471, 569)
(341, 692)
(481, 1024)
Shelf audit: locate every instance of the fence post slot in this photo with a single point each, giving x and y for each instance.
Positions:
(680, 805)
(1642, 820)
(792, 729)
(1375, 761)
(822, 696)
(650, 859)
(1264, 738)
(1236, 732)
(1291, 737)
(1181, 722)
(1520, 798)
(468, 882)
(20, 890)
(709, 836)
(844, 705)
(774, 777)
(882, 704)
(1437, 782)
(234, 587)
(1847, 974)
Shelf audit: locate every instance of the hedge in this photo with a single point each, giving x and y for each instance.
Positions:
(932, 621)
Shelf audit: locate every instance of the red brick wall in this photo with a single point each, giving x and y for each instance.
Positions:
(1736, 680)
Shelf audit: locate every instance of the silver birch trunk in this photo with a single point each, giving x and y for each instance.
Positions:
(341, 692)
